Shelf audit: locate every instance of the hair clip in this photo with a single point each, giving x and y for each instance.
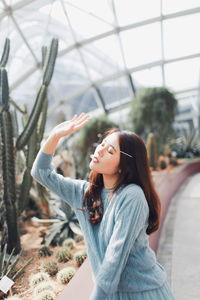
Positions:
(126, 153)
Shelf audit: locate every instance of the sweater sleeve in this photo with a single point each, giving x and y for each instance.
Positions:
(130, 219)
(68, 189)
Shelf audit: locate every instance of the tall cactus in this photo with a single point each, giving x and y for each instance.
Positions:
(34, 128)
(5, 54)
(152, 150)
(8, 165)
(31, 136)
(35, 113)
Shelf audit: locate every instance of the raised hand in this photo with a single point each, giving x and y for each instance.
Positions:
(68, 127)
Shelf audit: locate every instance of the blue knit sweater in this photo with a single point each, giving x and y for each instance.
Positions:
(117, 247)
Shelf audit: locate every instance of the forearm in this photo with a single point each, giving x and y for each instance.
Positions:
(49, 146)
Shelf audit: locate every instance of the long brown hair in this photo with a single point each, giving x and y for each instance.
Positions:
(134, 169)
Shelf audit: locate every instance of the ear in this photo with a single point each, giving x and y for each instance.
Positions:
(119, 171)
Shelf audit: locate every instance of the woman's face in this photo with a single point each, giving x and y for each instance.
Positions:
(107, 156)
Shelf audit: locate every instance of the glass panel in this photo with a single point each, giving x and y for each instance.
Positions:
(100, 59)
(70, 75)
(182, 75)
(113, 92)
(83, 103)
(98, 9)
(84, 22)
(142, 45)
(148, 78)
(129, 11)
(180, 36)
(170, 6)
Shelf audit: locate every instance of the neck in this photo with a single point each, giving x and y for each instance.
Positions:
(109, 181)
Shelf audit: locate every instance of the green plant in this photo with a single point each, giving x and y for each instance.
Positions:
(44, 286)
(8, 264)
(49, 267)
(67, 227)
(187, 145)
(37, 278)
(153, 110)
(46, 295)
(28, 142)
(63, 255)
(66, 274)
(69, 243)
(152, 150)
(45, 251)
(79, 257)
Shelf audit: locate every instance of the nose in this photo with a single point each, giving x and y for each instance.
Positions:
(100, 151)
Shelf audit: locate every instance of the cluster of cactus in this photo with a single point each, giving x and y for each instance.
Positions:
(63, 255)
(45, 251)
(152, 150)
(37, 278)
(30, 137)
(80, 256)
(69, 243)
(49, 267)
(66, 274)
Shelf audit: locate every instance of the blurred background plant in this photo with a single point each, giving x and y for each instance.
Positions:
(187, 144)
(153, 111)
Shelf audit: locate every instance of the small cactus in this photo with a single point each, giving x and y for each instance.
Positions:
(63, 255)
(44, 286)
(46, 295)
(37, 278)
(69, 243)
(65, 275)
(78, 238)
(49, 267)
(45, 251)
(80, 256)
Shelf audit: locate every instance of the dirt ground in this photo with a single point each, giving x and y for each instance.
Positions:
(31, 243)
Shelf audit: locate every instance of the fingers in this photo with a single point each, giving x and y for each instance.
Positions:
(74, 117)
(82, 120)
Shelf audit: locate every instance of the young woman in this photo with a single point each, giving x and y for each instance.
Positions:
(117, 209)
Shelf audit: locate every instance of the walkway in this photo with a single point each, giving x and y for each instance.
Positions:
(179, 245)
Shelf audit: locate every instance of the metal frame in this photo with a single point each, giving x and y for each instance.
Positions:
(126, 72)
